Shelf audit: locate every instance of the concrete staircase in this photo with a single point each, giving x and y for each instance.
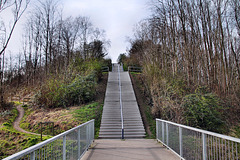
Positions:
(111, 124)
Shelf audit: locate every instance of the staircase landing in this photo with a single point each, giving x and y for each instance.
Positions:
(129, 149)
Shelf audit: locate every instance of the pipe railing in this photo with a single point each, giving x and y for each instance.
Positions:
(105, 69)
(71, 144)
(120, 100)
(192, 143)
(134, 69)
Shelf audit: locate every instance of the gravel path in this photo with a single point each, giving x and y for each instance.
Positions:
(18, 119)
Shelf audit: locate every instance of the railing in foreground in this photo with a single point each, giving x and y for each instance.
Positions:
(71, 144)
(192, 143)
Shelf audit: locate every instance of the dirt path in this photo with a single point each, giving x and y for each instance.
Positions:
(18, 119)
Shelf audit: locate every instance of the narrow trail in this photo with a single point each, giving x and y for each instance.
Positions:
(18, 120)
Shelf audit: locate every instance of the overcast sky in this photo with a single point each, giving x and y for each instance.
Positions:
(116, 17)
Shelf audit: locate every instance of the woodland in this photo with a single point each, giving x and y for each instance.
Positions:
(57, 53)
(58, 69)
(190, 55)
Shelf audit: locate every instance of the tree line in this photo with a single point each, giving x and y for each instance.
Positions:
(51, 42)
(191, 44)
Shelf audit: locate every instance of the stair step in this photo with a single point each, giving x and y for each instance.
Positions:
(119, 127)
(119, 133)
(120, 136)
(111, 122)
(125, 130)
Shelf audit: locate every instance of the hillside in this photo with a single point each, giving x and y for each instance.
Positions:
(65, 115)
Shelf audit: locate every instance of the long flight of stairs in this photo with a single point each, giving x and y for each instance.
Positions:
(111, 124)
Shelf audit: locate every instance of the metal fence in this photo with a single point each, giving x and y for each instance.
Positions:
(105, 69)
(70, 145)
(134, 69)
(192, 143)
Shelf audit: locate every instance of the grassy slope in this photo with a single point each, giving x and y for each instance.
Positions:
(12, 141)
(64, 118)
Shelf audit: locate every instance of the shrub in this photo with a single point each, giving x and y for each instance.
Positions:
(203, 111)
(75, 88)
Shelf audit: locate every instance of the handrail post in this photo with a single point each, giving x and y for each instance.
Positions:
(87, 128)
(79, 143)
(64, 147)
(93, 131)
(32, 156)
(163, 136)
(157, 130)
(167, 134)
(180, 142)
(204, 146)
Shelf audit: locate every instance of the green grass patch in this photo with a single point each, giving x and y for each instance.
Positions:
(151, 122)
(89, 112)
(17, 103)
(11, 140)
(135, 73)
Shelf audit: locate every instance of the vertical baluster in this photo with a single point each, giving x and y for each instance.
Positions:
(222, 150)
(64, 148)
(225, 147)
(214, 147)
(195, 146)
(211, 147)
(219, 148)
(157, 129)
(217, 157)
(163, 132)
(52, 150)
(229, 152)
(167, 133)
(232, 151)
(79, 143)
(236, 151)
(87, 135)
(43, 153)
(180, 141)
(32, 155)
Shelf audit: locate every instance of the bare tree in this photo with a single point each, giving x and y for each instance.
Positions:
(197, 40)
(18, 8)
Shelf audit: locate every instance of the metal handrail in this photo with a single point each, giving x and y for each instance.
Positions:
(193, 143)
(105, 69)
(120, 100)
(30, 152)
(134, 69)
